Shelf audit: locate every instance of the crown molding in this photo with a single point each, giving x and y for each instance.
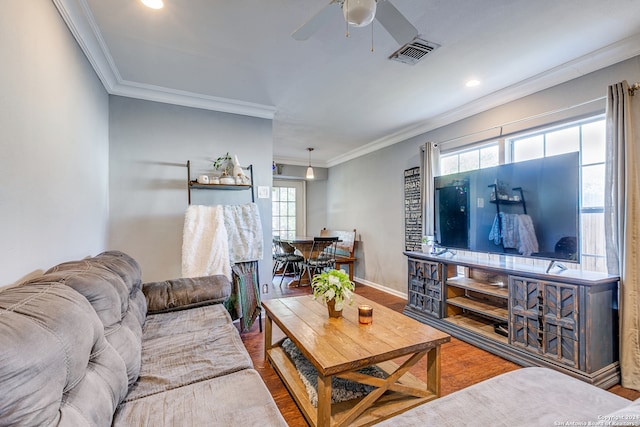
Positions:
(77, 15)
(601, 58)
(190, 99)
(79, 19)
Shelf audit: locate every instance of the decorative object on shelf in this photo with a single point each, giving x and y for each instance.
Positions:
(224, 164)
(365, 314)
(428, 243)
(203, 179)
(227, 180)
(334, 288)
(237, 169)
(310, 169)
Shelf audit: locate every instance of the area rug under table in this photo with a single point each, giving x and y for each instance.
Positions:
(341, 389)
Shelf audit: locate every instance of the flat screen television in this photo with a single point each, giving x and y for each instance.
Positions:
(528, 208)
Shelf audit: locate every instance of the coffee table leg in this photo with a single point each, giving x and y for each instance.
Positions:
(324, 401)
(268, 328)
(433, 370)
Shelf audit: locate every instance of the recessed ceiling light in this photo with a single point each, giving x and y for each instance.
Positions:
(153, 4)
(472, 83)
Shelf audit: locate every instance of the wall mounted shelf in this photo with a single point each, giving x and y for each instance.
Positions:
(195, 185)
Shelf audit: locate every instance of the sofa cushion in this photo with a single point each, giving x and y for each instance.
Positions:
(111, 282)
(239, 399)
(182, 347)
(524, 397)
(56, 367)
(186, 293)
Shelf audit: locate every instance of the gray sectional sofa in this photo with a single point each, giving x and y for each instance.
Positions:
(83, 345)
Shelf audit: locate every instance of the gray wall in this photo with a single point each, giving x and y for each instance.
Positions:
(53, 144)
(150, 145)
(367, 193)
(316, 206)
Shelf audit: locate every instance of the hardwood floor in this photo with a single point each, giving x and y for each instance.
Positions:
(462, 363)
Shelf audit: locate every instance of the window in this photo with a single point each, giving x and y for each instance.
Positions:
(587, 137)
(466, 160)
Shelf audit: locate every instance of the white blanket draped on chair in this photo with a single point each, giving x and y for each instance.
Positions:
(205, 243)
(216, 237)
(244, 231)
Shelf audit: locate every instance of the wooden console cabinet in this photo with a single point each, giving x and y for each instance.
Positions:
(566, 321)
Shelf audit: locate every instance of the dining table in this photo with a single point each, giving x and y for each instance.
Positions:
(304, 245)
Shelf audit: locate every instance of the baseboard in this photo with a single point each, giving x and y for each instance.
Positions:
(381, 288)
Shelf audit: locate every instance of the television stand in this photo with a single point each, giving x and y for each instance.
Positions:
(567, 321)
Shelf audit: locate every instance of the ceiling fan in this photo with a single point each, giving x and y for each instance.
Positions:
(360, 13)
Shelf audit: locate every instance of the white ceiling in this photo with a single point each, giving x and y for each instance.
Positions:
(331, 92)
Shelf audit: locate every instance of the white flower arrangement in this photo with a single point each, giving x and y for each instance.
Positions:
(333, 285)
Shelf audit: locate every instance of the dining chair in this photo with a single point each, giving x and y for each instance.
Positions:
(287, 257)
(321, 256)
(277, 255)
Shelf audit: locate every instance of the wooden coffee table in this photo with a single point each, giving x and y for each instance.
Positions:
(339, 347)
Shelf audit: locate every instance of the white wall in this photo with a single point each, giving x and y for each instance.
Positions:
(53, 144)
(367, 193)
(150, 145)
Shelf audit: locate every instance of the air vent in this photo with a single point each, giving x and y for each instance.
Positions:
(414, 51)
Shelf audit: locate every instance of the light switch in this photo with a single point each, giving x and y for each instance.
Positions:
(480, 202)
(263, 192)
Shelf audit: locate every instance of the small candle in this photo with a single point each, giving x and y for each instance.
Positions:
(365, 314)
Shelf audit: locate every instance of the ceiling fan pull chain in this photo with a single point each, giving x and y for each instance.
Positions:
(346, 4)
(372, 36)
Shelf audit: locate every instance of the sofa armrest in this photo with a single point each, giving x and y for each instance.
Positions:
(184, 293)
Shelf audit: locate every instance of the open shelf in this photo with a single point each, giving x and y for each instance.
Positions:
(478, 324)
(196, 184)
(496, 290)
(480, 307)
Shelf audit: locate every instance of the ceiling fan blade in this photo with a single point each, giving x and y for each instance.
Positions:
(315, 23)
(395, 23)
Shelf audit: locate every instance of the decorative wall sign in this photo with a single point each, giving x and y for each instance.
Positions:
(412, 210)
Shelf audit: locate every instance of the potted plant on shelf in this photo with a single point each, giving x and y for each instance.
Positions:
(224, 164)
(334, 288)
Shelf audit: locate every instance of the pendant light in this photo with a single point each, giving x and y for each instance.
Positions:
(310, 169)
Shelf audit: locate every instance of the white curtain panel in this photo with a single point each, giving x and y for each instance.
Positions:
(430, 167)
(622, 220)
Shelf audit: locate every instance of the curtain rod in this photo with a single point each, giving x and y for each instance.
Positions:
(537, 116)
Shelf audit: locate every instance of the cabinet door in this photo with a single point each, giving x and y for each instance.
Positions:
(525, 316)
(560, 308)
(425, 287)
(544, 318)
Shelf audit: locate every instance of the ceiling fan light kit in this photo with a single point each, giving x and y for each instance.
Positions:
(359, 13)
(153, 4)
